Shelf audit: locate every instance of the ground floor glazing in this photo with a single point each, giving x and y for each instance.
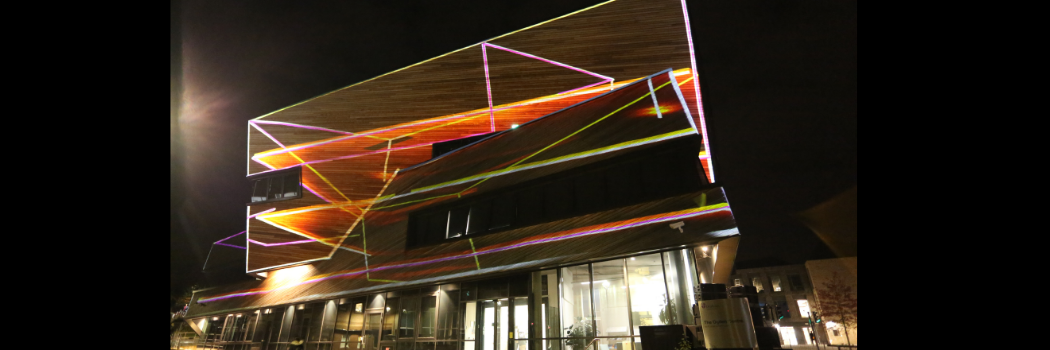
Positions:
(595, 306)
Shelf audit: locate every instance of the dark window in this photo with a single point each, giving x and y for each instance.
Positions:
(623, 186)
(590, 192)
(291, 186)
(502, 212)
(284, 184)
(557, 199)
(530, 207)
(478, 218)
(457, 222)
(796, 283)
(438, 222)
(261, 187)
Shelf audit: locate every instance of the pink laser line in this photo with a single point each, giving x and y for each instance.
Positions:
(294, 148)
(316, 194)
(556, 63)
(488, 86)
(301, 126)
(252, 123)
(489, 251)
(261, 212)
(238, 234)
(376, 152)
(584, 87)
(278, 244)
(696, 87)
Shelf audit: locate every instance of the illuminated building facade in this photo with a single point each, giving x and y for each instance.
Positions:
(551, 188)
(788, 287)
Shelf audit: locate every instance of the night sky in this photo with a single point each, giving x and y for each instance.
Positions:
(779, 84)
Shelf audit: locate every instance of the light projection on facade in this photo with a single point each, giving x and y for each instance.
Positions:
(576, 92)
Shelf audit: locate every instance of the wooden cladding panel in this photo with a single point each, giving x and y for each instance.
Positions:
(625, 39)
(446, 85)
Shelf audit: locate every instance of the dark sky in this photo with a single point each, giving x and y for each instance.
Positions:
(779, 83)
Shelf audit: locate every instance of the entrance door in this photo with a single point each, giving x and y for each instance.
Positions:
(494, 315)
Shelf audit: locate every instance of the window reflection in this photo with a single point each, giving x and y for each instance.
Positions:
(679, 274)
(610, 299)
(648, 293)
(576, 306)
(448, 322)
(757, 282)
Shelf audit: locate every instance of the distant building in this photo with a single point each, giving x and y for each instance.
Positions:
(821, 272)
(791, 287)
(788, 287)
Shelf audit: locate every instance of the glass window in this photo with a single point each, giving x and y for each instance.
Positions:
(291, 186)
(648, 292)
(306, 323)
(448, 312)
(259, 192)
(409, 313)
(390, 319)
(502, 212)
(550, 322)
(776, 283)
(530, 207)
(427, 315)
(576, 304)
(757, 282)
(610, 299)
(469, 310)
(736, 282)
(521, 319)
(457, 222)
(785, 308)
(268, 327)
(349, 323)
(373, 322)
(678, 269)
(276, 188)
(328, 321)
(796, 283)
(478, 218)
(803, 308)
(504, 323)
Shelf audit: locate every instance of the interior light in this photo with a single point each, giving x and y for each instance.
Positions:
(605, 284)
(514, 126)
(704, 248)
(215, 318)
(632, 258)
(238, 315)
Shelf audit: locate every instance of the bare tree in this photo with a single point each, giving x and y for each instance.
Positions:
(838, 303)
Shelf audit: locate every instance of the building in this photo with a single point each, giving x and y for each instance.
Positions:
(796, 290)
(785, 287)
(842, 271)
(551, 188)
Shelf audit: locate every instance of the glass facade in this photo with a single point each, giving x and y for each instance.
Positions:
(592, 306)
